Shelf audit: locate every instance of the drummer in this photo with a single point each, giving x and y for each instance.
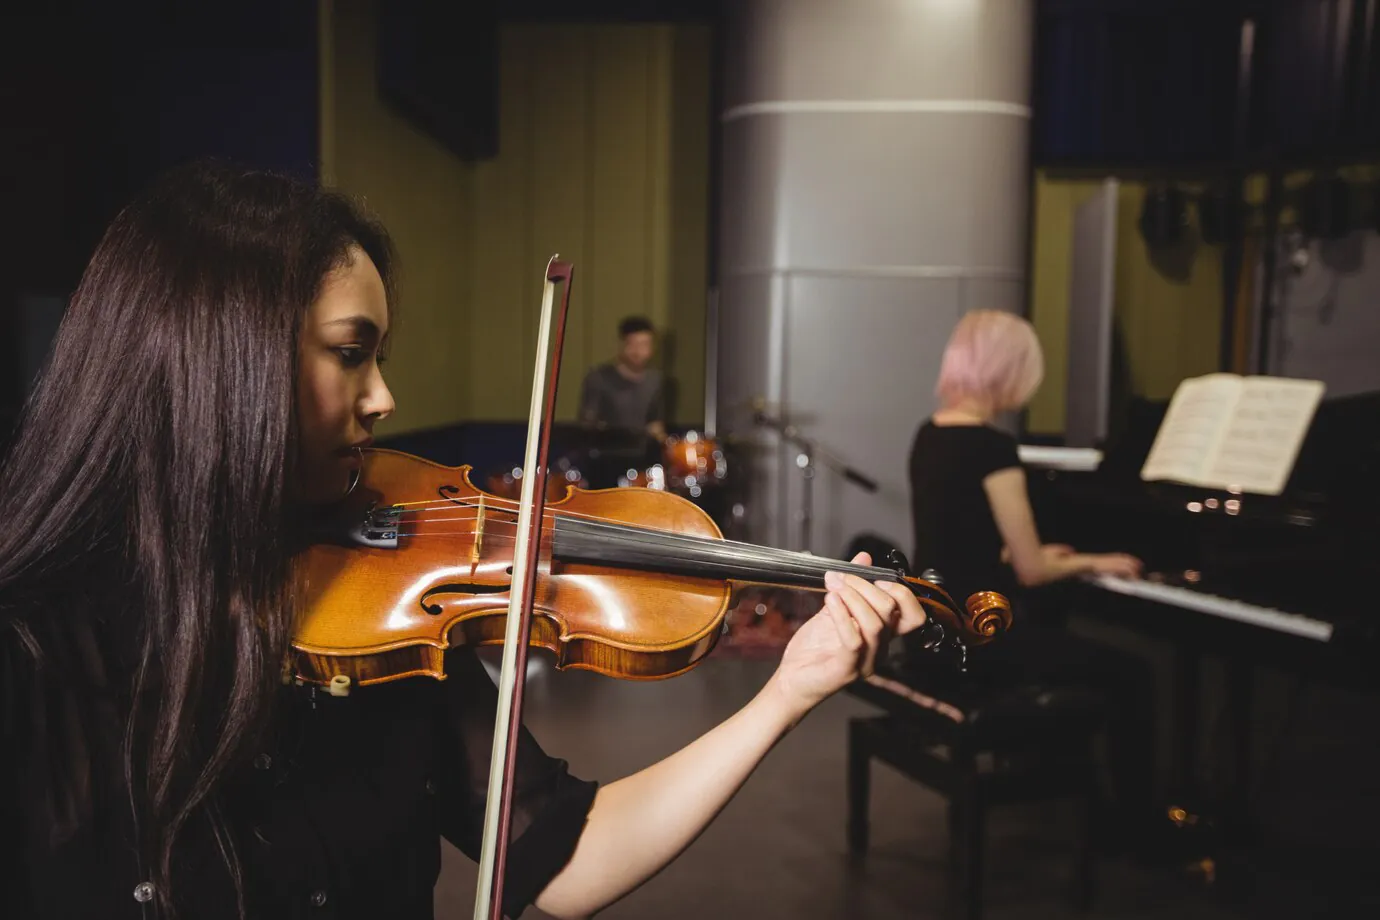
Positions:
(627, 393)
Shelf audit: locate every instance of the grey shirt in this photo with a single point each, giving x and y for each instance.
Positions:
(614, 400)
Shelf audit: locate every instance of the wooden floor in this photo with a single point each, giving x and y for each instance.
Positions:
(778, 849)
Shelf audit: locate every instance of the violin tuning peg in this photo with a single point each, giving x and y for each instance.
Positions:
(931, 635)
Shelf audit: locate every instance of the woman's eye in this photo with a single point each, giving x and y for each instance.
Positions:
(352, 355)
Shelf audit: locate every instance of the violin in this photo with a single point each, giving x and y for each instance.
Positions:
(632, 583)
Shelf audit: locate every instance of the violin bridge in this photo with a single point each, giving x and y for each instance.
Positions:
(478, 532)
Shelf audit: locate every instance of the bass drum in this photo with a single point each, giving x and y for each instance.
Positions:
(693, 462)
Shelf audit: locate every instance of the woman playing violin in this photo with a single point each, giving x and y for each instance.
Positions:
(217, 371)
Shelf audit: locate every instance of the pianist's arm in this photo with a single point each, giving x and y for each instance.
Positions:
(1035, 563)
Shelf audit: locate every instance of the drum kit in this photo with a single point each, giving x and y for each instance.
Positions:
(691, 464)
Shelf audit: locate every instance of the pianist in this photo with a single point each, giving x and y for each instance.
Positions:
(973, 523)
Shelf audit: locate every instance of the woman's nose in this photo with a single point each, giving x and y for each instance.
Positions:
(378, 399)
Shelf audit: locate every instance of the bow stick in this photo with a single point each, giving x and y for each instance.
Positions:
(498, 809)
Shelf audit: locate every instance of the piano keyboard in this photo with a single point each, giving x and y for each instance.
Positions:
(1225, 607)
(1076, 459)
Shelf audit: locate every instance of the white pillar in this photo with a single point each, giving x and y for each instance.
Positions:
(874, 188)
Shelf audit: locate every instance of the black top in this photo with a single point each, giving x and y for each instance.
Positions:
(955, 533)
(341, 815)
(609, 397)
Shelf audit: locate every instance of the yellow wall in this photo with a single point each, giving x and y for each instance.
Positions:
(424, 195)
(1168, 315)
(603, 157)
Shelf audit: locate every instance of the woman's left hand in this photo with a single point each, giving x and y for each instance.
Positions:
(840, 644)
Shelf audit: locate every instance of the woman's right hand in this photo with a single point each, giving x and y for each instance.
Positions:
(1118, 565)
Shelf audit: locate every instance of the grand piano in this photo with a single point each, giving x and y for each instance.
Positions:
(1286, 582)
(1285, 579)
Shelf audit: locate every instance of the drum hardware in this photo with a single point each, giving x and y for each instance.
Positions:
(809, 452)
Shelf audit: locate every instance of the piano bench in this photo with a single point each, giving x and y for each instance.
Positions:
(978, 749)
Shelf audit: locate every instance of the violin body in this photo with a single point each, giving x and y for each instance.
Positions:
(380, 612)
(631, 583)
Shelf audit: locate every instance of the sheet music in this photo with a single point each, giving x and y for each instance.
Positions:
(1192, 427)
(1257, 450)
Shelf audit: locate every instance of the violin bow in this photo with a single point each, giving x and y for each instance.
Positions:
(498, 809)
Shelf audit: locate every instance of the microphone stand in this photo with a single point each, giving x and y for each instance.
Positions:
(805, 462)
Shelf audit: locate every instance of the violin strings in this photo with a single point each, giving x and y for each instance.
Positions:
(710, 549)
(491, 502)
(717, 550)
(556, 513)
(726, 549)
(766, 566)
(658, 547)
(768, 573)
(739, 551)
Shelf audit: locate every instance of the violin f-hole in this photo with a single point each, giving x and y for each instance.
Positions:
(455, 588)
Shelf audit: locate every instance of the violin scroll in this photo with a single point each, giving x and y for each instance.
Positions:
(988, 613)
(950, 628)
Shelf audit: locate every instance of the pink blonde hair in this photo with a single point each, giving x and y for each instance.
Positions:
(992, 356)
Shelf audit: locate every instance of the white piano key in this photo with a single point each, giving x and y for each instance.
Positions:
(1073, 459)
(1225, 607)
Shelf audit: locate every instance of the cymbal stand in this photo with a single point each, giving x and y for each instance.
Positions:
(805, 462)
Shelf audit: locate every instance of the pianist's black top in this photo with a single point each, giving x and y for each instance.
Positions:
(341, 814)
(955, 533)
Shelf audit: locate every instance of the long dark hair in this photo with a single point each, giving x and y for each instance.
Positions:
(153, 472)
